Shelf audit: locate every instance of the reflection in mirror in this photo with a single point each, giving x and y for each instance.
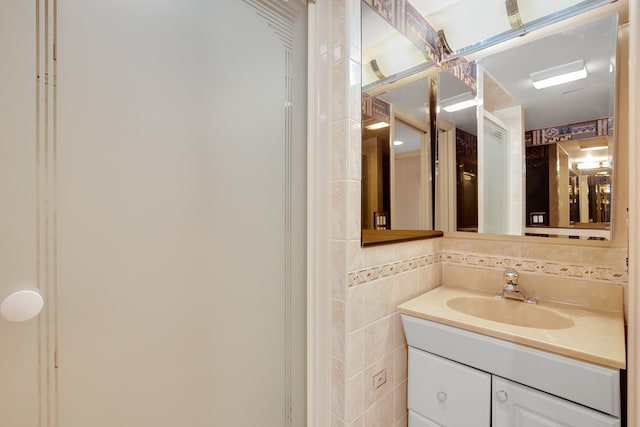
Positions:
(564, 131)
(468, 26)
(586, 200)
(376, 199)
(396, 158)
(396, 145)
(410, 178)
(407, 40)
(457, 166)
(387, 55)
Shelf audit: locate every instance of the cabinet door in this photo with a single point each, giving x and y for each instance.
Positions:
(448, 393)
(515, 405)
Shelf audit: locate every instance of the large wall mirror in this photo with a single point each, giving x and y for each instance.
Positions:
(543, 111)
(457, 145)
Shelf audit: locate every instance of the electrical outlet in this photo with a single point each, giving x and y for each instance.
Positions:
(379, 379)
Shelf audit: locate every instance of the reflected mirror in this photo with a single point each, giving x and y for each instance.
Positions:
(522, 119)
(397, 158)
(397, 154)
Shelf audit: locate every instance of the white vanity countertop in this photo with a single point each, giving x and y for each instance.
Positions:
(595, 336)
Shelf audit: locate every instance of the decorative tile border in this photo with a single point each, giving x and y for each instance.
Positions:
(377, 108)
(370, 274)
(464, 71)
(569, 132)
(537, 266)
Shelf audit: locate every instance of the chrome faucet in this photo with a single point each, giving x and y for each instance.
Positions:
(511, 289)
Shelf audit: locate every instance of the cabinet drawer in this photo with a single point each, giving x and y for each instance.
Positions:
(517, 405)
(448, 393)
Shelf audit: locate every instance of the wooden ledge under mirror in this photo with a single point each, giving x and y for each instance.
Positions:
(544, 183)
(384, 237)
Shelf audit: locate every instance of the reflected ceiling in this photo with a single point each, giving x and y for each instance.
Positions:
(385, 52)
(468, 25)
(466, 22)
(412, 98)
(589, 97)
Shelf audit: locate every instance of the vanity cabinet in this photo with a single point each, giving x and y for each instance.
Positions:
(459, 378)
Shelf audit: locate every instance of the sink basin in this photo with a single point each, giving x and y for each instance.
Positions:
(510, 312)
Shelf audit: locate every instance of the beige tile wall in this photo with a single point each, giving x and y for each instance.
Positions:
(368, 331)
(601, 264)
(613, 259)
(368, 335)
(556, 272)
(365, 285)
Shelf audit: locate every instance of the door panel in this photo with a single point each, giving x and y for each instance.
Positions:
(19, 344)
(167, 180)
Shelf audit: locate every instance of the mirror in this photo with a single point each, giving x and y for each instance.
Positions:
(401, 46)
(397, 153)
(396, 160)
(457, 174)
(564, 133)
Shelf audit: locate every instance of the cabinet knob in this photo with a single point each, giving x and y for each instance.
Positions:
(502, 396)
(441, 396)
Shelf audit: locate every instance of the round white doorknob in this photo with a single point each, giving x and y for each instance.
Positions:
(21, 306)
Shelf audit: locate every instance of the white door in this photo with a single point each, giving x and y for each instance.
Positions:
(515, 405)
(152, 169)
(445, 200)
(493, 184)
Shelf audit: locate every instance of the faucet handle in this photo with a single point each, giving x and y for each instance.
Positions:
(511, 276)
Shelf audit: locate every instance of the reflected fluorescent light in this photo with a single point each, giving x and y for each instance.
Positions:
(378, 125)
(459, 102)
(558, 75)
(460, 106)
(398, 142)
(598, 147)
(591, 165)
